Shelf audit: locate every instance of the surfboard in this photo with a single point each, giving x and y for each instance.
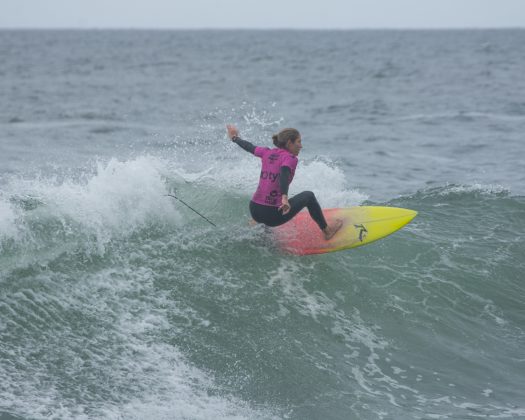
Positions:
(361, 226)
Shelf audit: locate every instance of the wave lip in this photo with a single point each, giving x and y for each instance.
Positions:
(114, 199)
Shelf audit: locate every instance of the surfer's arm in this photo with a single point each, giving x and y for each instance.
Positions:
(233, 134)
(284, 176)
(284, 179)
(246, 145)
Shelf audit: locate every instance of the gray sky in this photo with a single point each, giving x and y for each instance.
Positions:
(322, 14)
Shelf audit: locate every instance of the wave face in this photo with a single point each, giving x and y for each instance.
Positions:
(118, 301)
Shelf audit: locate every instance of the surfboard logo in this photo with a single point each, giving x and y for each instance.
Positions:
(362, 232)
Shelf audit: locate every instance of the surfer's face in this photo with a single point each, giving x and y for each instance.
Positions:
(294, 147)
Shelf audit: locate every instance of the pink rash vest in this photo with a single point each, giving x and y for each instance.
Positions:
(269, 191)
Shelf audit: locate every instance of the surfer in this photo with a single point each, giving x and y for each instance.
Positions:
(270, 204)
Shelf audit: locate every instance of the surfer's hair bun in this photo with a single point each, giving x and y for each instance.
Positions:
(281, 138)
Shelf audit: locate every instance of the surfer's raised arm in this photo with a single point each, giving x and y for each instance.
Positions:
(233, 134)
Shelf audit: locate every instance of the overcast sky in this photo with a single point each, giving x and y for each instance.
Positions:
(322, 14)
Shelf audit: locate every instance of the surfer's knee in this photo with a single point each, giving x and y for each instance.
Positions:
(309, 195)
(311, 199)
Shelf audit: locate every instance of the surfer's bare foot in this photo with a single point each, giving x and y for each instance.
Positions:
(252, 222)
(332, 229)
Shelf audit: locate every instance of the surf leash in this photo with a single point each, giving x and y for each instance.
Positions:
(191, 208)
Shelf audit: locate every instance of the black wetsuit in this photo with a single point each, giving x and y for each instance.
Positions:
(271, 215)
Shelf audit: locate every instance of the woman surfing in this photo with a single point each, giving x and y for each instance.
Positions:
(270, 204)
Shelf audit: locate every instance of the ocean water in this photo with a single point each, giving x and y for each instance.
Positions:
(117, 302)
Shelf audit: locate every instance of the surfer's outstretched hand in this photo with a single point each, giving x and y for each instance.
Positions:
(285, 206)
(232, 131)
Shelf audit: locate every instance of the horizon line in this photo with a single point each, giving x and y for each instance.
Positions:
(146, 28)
